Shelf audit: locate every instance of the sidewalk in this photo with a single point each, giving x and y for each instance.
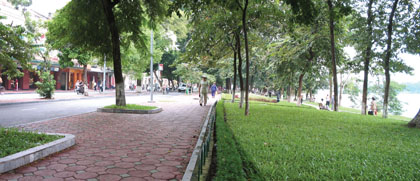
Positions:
(121, 146)
(32, 96)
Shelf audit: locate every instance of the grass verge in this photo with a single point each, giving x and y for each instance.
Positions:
(288, 142)
(131, 106)
(13, 140)
(229, 163)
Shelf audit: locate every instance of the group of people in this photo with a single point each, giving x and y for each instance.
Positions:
(203, 90)
(372, 111)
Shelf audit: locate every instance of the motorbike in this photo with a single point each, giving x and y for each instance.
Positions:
(80, 89)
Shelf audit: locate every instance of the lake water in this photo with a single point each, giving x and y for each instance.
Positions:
(410, 101)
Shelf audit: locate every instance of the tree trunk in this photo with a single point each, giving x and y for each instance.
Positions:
(116, 54)
(160, 81)
(289, 94)
(415, 122)
(334, 68)
(241, 81)
(341, 94)
(234, 74)
(244, 23)
(331, 86)
(282, 93)
(300, 90)
(367, 58)
(387, 58)
(85, 74)
(311, 96)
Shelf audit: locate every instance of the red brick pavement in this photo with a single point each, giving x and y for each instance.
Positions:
(120, 146)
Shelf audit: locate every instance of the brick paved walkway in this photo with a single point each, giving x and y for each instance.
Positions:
(121, 146)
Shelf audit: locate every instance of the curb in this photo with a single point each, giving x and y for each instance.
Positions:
(130, 111)
(28, 156)
(57, 100)
(193, 170)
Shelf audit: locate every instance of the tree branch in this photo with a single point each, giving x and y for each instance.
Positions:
(115, 2)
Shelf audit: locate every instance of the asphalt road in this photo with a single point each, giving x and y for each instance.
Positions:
(17, 114)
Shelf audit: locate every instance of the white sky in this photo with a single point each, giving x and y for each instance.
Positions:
(411, 60)
(48, 6)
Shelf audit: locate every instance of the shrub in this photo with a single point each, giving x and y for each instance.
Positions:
(46, 86)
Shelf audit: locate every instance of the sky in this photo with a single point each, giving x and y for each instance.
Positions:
(50, 6)
(411, 60)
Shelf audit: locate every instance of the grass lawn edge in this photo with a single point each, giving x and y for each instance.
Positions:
(30, 155)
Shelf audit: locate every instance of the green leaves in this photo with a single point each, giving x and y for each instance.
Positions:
(46, 85)
(14, 50)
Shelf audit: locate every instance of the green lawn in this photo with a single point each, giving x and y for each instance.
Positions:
(281, 141)
(131, 106)
(13, 140)
(252, 97)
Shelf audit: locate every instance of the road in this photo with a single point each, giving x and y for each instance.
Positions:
(17, 114)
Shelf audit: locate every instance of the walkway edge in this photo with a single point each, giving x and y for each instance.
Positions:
(197, 153)
(28, 156)
(130, 111)
(58, 100)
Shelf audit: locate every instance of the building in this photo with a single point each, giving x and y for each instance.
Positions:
(66, 78)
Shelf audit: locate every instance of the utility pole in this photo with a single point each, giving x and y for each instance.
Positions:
(151, 67)
(103, 84)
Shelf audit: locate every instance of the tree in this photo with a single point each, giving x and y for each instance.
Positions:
(367, 55)
(103, 26)
(387, 57)
(14, 50)
(413, 46)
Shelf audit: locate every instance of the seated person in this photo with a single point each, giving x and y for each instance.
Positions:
(321, 105)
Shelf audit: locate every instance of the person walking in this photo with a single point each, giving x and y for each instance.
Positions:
(213, 90)
(202, 90)
(327, 101)
(373, 107)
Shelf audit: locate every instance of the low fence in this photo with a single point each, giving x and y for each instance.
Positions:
(200, 160)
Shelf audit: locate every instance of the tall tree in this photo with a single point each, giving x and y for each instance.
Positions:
(388, 57)
(334, 66)
(367, 56)
(97, 26)
(413, 46)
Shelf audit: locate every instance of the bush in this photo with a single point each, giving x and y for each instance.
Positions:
(46, 86)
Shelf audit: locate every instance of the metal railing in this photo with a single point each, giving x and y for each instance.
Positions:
(201, 151)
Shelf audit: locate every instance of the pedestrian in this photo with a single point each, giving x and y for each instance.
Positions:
(213, 89)
(1, 85)
(94, 85)
(373, 107)
(202, 90)
(327, 100)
